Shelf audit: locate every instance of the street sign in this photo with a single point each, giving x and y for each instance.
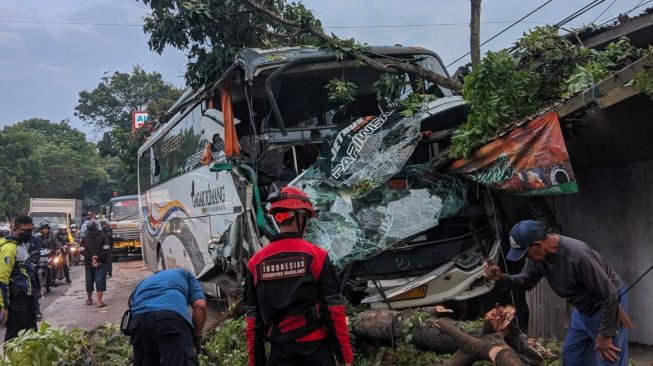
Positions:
(139, 118)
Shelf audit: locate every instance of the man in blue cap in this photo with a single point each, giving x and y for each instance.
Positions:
(598, 332)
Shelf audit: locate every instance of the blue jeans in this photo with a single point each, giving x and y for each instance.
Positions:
(578, 348)
(96, 276)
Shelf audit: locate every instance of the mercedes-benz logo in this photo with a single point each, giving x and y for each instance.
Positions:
(402, 262)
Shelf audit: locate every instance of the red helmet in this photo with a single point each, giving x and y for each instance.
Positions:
(290, 199)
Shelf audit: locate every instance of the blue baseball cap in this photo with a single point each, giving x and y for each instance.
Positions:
(522, 236)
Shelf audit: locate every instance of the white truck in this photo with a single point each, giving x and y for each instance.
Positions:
(57, 211)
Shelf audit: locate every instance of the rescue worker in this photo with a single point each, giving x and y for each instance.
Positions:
(17, 279)
(95, 248)
(162, 330)
(106, 229)
(598, 331)
(292, 294)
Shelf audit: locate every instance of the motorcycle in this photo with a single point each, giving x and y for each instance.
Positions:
(43, 262)
(73, 254)
(58, 263)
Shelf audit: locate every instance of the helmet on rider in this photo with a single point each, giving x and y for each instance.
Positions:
(44, 224)
(288, 203)
(104, 222)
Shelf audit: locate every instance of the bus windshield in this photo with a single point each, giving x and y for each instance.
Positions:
(124, 209)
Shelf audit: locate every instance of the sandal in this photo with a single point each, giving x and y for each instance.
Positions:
(89, 302)
(101, 305)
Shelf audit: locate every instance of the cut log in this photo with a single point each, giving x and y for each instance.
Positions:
(496, 340)
(390, 326)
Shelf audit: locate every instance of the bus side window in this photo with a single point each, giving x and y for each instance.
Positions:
(155, 168)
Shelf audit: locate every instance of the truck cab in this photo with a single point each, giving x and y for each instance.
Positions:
(124, 221)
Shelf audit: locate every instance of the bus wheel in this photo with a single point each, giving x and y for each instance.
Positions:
(160, 260)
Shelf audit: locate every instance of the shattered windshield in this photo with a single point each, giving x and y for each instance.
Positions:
(368, 200)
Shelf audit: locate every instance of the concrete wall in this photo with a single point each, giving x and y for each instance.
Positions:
(613, 163)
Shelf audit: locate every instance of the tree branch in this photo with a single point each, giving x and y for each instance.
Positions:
(392, 68)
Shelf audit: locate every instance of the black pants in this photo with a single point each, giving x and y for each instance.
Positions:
(162, 338)
(21, 315)
(109, 263)
(316, 353)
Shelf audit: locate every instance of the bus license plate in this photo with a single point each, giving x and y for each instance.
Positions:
(416, 293)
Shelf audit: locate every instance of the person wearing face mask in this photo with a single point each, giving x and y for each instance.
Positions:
(292, 294)
(17, 279)
(598, 330)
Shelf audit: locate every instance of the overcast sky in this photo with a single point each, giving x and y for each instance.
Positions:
(43, 67)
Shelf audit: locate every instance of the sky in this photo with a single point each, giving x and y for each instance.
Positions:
(43, 67)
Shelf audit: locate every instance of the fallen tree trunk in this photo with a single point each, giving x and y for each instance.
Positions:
(496, 339)
(490, 347)
(390, 326)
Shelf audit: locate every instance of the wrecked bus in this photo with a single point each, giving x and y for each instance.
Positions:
(399, 231)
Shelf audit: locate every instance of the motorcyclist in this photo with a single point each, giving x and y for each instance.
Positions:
(48, 241)
(65, 241)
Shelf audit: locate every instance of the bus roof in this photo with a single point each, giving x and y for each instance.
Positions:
(251, 59)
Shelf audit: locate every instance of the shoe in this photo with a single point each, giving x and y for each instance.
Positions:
(39, 316)
(68, 280)
(47, 290)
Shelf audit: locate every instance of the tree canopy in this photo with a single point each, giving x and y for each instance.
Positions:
(47, 160)
(108, 108)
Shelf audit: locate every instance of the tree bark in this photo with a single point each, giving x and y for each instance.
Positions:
(390, 326)
(496, 341)
(475, 32)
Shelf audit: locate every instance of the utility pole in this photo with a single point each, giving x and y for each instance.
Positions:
(475, 32)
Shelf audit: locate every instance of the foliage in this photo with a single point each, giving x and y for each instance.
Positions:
(389, 88)
(104, 346)
(541, 68)
(417, 318)
(497, 93)
(401, 355)
(211, 32)
(585, 77)
(47, 160)
(341, 91)
(413, 102)
(645, 78)
(108, 108)
(46, 346)
(228, 343)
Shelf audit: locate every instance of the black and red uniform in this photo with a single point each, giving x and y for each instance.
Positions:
(293, 301)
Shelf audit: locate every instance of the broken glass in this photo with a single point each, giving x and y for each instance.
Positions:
(367, 152)
(368, 200)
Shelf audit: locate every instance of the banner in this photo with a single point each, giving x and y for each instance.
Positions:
(531, 160)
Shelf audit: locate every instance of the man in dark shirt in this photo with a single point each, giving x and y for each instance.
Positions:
(95, 248)
(108, 232)
(596, 335)
(162, 330)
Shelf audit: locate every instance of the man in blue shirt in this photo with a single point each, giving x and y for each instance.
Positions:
(163, 330)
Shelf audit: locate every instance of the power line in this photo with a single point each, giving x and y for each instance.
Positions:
(591, 5)
(639, 5)
(603, 12)
(504, 30)
(423, 25)
(45, 22)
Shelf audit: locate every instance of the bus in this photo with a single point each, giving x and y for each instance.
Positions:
(268, 121)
